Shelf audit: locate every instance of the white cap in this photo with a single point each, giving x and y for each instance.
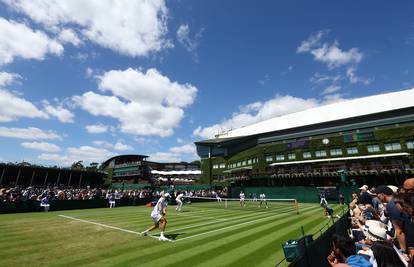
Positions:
(393, 188)
(364, 187)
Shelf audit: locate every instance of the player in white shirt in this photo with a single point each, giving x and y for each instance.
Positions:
(216, 195)
(179, 200)
(158, 215)
(263, 199)
(242, 197)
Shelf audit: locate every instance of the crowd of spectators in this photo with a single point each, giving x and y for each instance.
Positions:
(382, 232)
(18, 194)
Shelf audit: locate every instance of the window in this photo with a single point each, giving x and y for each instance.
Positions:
(392, 146)
(291, 156)
(222, 165)
(269, 158)
(373, 148)
(215, 166)
(239, 164)
(280, 157)
(320, 153)
(352, 150)
(244, 163)
(307, 155)
(410, 144)
(336, 152)
(249, 162)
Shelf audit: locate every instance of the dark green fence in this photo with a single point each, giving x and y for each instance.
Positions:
(33, 206)
(315, 253)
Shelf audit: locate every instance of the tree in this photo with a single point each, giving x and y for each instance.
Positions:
(78, 165)
(93, 166)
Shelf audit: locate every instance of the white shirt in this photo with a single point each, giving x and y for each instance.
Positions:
(242, 196)
(161, 204)
(179, 197)
(262, 196)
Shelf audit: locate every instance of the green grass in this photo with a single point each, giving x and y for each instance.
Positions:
(203, 236)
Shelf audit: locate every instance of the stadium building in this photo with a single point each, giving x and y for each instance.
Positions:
(368, 140)
(23, 174)
(134, 171)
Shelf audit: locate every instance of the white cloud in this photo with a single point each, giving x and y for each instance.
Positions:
(259, 111)
(9, 78)
(184, 149)
(354, 78)
(97, 128)
(133, 28)
(331, 89)
(42, 146)
(69, 36)
(85, 153)
(18, 40)
(118, 146)
(13, 107)
(318, 78)
(180, 141)
(190, 44)
(329, 53)
(145, 103)
(164, 157)
(89, 72)
(62, 114)
(30, 133)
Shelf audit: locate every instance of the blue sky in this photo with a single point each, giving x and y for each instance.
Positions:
(85, 80)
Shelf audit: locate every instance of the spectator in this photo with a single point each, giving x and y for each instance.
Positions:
(396, 217)
(364, 196)
(344, 252)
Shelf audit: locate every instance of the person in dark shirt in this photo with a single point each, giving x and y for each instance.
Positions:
(397, 218)
(364, 196)
(406, 202)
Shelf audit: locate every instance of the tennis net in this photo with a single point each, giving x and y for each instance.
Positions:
(271, 205)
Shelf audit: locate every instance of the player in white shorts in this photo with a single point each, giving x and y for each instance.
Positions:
(216, 195)
(158, 215)
(242, 197)
(263, 199)
(179, 200)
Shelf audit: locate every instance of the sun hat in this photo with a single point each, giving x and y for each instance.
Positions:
(375, 233)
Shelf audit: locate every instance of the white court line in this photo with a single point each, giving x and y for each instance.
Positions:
(232, 219)
(205, 217)
(107, 226)
(228, 227)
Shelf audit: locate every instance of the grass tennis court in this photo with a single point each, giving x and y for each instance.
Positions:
(202, 236)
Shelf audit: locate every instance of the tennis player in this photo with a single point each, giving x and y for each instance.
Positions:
(179, 200)
(242, 198)
(216, 195)
(158, 215)
(263, 200)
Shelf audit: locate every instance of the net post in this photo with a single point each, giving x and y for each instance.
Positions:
(225, 203)
(296, 206)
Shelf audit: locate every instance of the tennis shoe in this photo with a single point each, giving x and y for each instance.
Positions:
(163, 238)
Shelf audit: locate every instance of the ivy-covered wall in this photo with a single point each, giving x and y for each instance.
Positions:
(380, 136)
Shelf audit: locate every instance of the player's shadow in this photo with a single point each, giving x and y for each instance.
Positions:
(173, 236)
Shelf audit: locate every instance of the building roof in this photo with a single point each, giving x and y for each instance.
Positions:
(127, 156)
(332, 112)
